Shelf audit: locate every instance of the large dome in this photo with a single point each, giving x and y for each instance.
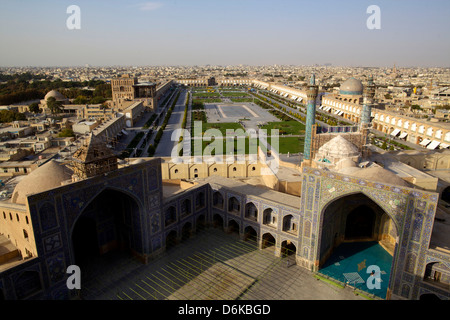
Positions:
(351, 86)
(48, 176)
(55, 94)
(337, 149)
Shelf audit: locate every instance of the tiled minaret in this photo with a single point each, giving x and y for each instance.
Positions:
(369, 93)
(310, 116)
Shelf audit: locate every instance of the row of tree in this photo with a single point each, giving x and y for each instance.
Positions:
(24, 87)
(10, 116)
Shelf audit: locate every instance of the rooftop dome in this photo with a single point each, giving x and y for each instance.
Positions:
(337, 149)
(55, 94)
(345, 163)
(380, 174)
(351, 86)
(48, 176)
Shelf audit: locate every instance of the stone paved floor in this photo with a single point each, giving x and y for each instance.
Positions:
(209, 265)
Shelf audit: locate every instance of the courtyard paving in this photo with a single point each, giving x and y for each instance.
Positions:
(210, 265)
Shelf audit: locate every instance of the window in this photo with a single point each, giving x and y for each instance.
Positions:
(26, 219)
(269, 217)
(217, 199)
(233, 205)
(200, 200)
(17, 217)
(16, 169)
(4, 215)
(25, 234)
(10, 216)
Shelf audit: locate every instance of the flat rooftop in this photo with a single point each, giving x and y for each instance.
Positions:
(397, 167)
(265, 193)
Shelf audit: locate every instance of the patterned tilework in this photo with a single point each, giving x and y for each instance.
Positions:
(405, 206)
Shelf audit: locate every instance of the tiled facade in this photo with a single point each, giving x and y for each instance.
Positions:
(53, 215)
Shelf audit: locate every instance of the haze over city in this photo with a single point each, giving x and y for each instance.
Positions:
(200, 32)
(224, 150)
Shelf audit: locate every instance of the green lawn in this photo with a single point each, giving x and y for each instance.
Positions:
(206, 94)
(286, 144)
(209, 100)
(220, 126)
(235, 94)
(286, 127)
(242, 99)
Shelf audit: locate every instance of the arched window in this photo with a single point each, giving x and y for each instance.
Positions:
(217, 200)
(199, 200)
(233, 205)
(288, 224)
(170, 215)
(186, 207)
(269, 217)
(251, 212)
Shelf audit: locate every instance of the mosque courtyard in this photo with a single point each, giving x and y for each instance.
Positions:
(210, 265)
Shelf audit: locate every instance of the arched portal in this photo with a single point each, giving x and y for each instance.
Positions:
(267, 241)
(288, 248)
(360, 223)
(106, 225)
(217, 221)
(233, 227)
(250, 234)
(356, 233)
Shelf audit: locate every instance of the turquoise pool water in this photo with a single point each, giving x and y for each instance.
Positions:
(349, 263)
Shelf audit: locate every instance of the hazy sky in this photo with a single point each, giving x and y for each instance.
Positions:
(224, 32)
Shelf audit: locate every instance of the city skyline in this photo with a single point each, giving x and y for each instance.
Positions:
(198, 32)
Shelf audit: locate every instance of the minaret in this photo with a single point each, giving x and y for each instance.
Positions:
(369, 93)
(310, 116)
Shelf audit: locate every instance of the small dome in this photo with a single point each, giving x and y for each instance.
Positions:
(55, 94)
(48, 176)
(337, 149)
(351, 86)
